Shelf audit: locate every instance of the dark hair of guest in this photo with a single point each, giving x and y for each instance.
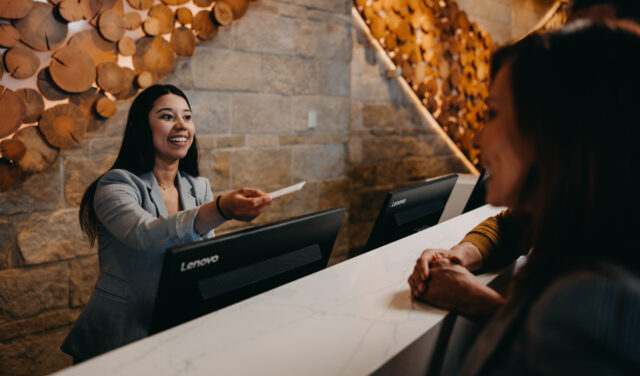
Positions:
(575, 93)
(137, 153)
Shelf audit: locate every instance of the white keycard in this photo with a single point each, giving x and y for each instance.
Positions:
(287, 190)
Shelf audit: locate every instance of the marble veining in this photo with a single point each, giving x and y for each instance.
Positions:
(348, 319)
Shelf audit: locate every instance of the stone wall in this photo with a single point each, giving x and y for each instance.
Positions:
(252, 90)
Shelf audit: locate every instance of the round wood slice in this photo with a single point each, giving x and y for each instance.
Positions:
(63, 126)
(183, 41)
(378, 27)
(126, 46)
(151, 26)
(71, 10)
(153, 54)
(48, 88)
(12, 149)
(41, 29)
(72, 69)
(184, 16)
(106, 108)
(21, 62)
(165, 15)
(145, 79)
(99, 49)
(239, 7)
(86, 101)
(38, 153)
(222, 13)
(10, 175)
(175, 2)
(110, 77)
(130, 90)
(34, 104)
(462, 21)
(111, 25)
(203, 25)
(203, 3)
(9, 36)
(13, 111)
(93, 8)
(140, 4)
(132, 20)
(14, 9)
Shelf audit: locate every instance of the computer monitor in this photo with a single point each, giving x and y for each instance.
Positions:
(409, 210)
(203, 276)
(477, 198)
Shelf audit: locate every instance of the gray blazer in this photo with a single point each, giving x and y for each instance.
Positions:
(584, 323)
(134, 232)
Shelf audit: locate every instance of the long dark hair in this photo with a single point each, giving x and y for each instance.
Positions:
(137, 153)
(576, 94)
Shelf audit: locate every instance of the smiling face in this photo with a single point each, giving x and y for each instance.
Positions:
(172, 128)
(505, 154)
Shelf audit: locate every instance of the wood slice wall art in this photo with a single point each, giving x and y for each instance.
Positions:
(85, 74)
(443, 56)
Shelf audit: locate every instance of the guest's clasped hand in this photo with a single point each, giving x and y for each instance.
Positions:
(245, 203)
(443, 278)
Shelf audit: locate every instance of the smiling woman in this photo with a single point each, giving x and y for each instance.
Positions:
(152, 198)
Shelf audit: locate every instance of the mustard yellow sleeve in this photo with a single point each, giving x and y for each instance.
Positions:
(499, 238)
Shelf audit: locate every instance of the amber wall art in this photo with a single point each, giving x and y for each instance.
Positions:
(442, 55)
(71, 60)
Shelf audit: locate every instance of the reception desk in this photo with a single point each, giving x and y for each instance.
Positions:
(353, 318)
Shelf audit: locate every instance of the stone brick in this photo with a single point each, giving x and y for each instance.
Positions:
(266, 6)
(215, 165)
(319, 162)
(28, 292)
(260, 167)
(289, 75)
(50, 236)
(333, 193)
(7, 243)
(327, 41)
(39, 191)
(332, 113)
(335, 79)
(206, 142)
(80, 172)
(362, 175)
(366, 203)
(336, 6)
(289, 10)
(379, 115)
(263, 32)
(36, 354)
(264, 140)
(84, 148)
(306, 200)
(39, 323)
(83, 275)
(355, 117)
(211, 112)
(230, 141)
(366, 88)
(261, 113)
(226, 70)
(291, 139)
(354, 148)
(181, 75)
(105, 146)
(364, 58)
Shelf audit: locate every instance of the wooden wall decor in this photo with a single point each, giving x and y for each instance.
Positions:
(444, 57)
(86, 73)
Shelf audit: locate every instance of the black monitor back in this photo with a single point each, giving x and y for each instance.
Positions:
(409, 210)
(201, 277)
(477, 197)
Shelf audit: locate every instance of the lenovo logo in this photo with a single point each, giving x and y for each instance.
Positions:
(198, 263)
(399, 202)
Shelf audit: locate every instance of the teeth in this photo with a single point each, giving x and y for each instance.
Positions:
(178, 139)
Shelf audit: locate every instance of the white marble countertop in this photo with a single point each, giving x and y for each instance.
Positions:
(348, 319)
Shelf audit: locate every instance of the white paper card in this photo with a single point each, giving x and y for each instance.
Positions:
(287, 190)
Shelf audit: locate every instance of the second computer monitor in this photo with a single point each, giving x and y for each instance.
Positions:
(409, 210)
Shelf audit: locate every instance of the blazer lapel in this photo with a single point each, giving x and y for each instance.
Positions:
(154, 192)
(186, 192)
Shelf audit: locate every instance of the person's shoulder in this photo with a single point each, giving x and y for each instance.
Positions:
(596, 305)
(121, 176)
(198, 182)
